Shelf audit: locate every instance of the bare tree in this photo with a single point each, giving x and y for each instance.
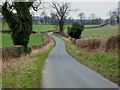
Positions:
(92, 17)
(97, 20)
(113, 16)
(69, 21)
(62, 10)
(116, 15)
(54, 20)
(111, 19)
(43, 14)
(82, 18)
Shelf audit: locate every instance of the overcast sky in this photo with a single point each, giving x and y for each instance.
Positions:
(100, 7)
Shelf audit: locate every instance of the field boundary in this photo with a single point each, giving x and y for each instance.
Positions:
(97, 26)
(95, 44)
(8, 53)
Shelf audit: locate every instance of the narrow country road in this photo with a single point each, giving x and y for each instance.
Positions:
(63, 71)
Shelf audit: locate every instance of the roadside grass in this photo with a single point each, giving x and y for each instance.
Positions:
(7, 41)
(27, 72)
(105, 63)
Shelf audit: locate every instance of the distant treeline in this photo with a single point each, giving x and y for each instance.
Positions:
(69, 21)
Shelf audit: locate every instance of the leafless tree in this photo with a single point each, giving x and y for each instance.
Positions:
(97, 20)
(62, 10)
(116, 15)
(92, 17)
(111, 19)
(54, 20)
(82, 18)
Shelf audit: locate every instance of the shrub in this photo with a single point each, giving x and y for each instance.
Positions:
(76, 30)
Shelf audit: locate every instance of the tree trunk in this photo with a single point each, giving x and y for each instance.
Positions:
(118, 19)
(61, 26)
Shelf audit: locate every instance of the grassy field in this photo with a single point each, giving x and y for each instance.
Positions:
(7, 41)
(106, 63)
(4, 26)
(91, 25)
(43, 28)
(40, 28)
(100, 33)
(27, 72)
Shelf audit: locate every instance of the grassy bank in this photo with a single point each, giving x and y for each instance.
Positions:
(7, 41)
(27, 72)
(105, 63)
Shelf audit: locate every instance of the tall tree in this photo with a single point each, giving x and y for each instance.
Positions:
(62, 10)
(0, 8)
(82, 18)
(111, 18)
(92, 17)
(70, 20)
(116, 15)
(54, 20)
(97, 20)
(20, 22)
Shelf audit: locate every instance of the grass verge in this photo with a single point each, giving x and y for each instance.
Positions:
(105, 63)
(26, 73)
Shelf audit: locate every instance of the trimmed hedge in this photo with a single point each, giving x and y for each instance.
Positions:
(8, 53)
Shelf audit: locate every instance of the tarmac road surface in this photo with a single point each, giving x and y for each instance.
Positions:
(63, 71)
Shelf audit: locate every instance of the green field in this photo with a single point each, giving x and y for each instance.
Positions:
(43, 28)
(4, 26)
(100, 33)
(87, 33)
(91, 25)
(7, 41)
(40, 28)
